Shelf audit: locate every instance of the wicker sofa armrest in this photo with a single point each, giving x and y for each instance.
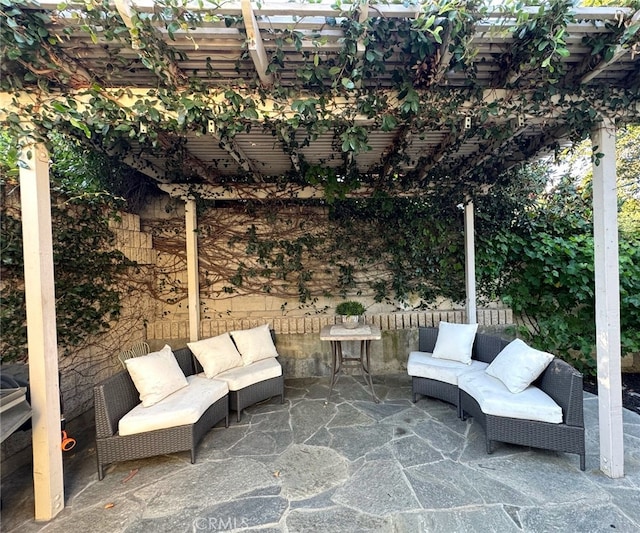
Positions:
(187, 361)
(113, 398)
(564, 384)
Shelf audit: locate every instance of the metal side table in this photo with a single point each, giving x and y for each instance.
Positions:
(365, 333)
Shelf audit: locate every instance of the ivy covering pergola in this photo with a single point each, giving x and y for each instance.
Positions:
(295, 100)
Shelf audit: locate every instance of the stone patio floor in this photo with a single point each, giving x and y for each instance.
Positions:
(349, 465)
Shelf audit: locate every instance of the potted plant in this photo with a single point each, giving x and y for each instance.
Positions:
(350, 312)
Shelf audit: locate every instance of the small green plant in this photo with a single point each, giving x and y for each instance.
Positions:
(350, 308)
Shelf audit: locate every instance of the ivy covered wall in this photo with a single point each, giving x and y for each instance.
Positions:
(297, 260)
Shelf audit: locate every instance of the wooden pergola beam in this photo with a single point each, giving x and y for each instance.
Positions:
(444, 60)
(170, 68)
(232, 148)
(268, 192)
(287, 137)
(585, 72)
(399, 10)
(256, 46)
(48, 475)
(396, 150)
(487, 150)
(426, 163)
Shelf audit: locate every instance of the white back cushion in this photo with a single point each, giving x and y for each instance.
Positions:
(254, 344)
(216, 354)
(518, 365)
(455, 342)
(156, 375)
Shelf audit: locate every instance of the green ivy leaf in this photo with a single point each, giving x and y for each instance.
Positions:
(348, 84)
(82, 126)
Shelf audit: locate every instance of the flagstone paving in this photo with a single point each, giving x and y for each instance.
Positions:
(349, 465)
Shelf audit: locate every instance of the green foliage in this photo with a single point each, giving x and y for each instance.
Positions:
(350, 308)
(87, 269)
(536, 254)
(34, 59)
(548, 275)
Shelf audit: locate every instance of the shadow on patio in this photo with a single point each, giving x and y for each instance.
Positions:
(351, 465)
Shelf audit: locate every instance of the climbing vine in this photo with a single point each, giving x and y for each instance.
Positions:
(413, 245)
(156, 120)
(87, 267)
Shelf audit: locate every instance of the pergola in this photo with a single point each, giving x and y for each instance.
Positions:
(248, 100)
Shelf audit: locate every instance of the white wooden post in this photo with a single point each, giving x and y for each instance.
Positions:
(470, 262)
(48, 481)
(193, 281)
(607, 301)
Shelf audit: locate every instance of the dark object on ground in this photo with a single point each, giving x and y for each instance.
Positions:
(630, 390)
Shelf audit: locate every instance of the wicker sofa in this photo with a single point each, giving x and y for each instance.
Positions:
(243, 380)
(246, 360)
(116, 396)
(246, 386)
(559, 381)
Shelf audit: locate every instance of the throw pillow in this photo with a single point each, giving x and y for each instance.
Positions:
(455, 342)
(518, 365)
(254, 344)
(156, 375)
(216, 354)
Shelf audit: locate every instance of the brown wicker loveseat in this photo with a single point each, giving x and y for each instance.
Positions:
(560, 381)
(117, 395)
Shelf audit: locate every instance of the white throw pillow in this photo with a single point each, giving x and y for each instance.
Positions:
(455, 342)
(254, 344)
(518, 365)
(216, 354)
(156, 375)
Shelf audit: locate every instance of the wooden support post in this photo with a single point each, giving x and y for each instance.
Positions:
(48, 480)
(607, 301)
(193, 281)
(470, 262)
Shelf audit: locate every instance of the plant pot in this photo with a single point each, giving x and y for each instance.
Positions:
(350, 321)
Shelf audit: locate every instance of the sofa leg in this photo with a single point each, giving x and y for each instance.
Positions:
(489, 446)
(226, 420)
(100, 472)
(282, 398)
(193, 456)
(582, 462)
(415, 397)
(238, 414)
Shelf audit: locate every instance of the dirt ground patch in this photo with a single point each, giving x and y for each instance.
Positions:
(630, 390)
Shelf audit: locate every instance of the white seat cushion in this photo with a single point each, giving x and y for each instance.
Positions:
(241, 377)
(424, 365)
(494, 398)
(184, 406)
